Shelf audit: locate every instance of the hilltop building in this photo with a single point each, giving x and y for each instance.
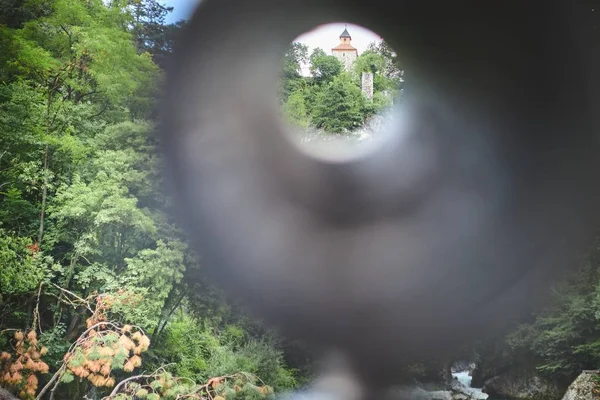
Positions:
(344, 51)
(347, 54)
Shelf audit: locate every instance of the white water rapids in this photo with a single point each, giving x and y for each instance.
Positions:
(464, 378)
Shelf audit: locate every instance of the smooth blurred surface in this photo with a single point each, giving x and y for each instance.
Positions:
(495, 156)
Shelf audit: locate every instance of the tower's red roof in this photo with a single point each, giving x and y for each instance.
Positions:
(344, 46)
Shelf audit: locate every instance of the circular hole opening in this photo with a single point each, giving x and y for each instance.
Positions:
(339, 87)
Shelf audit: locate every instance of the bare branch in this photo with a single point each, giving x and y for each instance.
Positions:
(105, 107)
(86, 303)
(55, 378)
(36, 311)
(135, 378)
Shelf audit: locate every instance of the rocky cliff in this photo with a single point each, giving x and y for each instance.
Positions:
(522, 385)
(585, 387)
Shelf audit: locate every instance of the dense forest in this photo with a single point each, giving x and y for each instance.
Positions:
(100, 295)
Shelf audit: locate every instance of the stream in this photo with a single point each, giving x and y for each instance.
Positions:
(465, 379)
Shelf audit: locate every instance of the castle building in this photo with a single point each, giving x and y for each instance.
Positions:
(344, 51)
(347, 54)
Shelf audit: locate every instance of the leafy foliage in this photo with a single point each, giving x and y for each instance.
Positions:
(163, 385)
(19, 370)
(104, 347)
(90, 257)
(338, 107)
(324, 68)
(331, 99)
(200, 355)
(20, 270)
(563, 338)
(296, 111)
(386, 78)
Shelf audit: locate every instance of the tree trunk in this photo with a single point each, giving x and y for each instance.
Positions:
(164, 319)
(73, 330)
(44, 196)
(51, 88)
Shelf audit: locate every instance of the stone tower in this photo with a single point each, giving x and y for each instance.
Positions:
(367, 84)
(344, 51)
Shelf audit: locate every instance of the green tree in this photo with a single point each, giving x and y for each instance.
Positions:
(374, 62)
(85, 226)
(150, 31)
(295, 110)
(295, 57)
(392, 67)
(339, 105)
(20, 270)
(369, 61)
(324, 68)
(292, 81)
(14, 13)
(559, 340)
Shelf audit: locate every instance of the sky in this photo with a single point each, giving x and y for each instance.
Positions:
(182, 9)
(325, 36)
(328, 36)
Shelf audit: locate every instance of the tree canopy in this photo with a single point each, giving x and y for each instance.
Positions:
(339, 105)
(96, 278)
(324, 68)
(330, 98)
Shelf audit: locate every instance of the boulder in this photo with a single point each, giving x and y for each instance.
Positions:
(460, 396)
(460, 366)
(478, 377)
(461, 391)
(4, 395)
(434, 376)
(441, 395)
(422, 394)
(585, 387)
(522, 386)
(418, 393)
(478, 395)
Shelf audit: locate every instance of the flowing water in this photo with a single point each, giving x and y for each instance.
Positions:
(465, 379)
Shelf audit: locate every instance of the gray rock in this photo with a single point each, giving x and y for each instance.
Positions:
(473, 394)
(456, 395)
(522, 386)
(460, 396)
(5, 395)
(470, 393)
(462, 365)
(441, 395)
(478, 395)
(478, 376)
(583, 387)
(418, 393)
(457, 385)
